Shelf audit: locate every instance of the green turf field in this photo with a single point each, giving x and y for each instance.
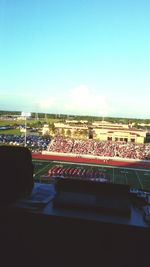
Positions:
(11, 131)
(136, 178)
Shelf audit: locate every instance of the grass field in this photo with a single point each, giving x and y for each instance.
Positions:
(136, 178)
(11, 131)
(29, 121)
(10, 122)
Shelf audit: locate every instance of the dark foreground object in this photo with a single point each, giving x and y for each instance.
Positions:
(90, 195)
(54, 236)
(16, 173)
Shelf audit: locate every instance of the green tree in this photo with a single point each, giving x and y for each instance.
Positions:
(52, 128)
(83, 133)
(76, 133)
(62, 132)
(68, 133)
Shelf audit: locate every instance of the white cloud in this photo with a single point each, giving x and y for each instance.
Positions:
(44, 104)
(83, 100)
(80, 100)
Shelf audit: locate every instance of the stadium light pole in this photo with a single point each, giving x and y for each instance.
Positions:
(25, 115)
(25, 136)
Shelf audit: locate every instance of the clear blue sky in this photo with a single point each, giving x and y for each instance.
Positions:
(78, 57)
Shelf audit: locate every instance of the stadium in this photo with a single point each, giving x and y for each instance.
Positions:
(100, 160)
(82, 165)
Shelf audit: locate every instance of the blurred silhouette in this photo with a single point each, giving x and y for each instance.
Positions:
(16, 173)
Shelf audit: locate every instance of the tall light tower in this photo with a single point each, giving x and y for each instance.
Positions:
(102, 121)
(25, 134)
(36, 116)
(46, 118)
(25, 115)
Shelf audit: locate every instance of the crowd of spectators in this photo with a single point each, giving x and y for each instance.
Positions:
(100, 148)
(80, 147)
(34, 142)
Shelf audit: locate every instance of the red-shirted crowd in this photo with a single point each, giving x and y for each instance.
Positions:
(100, 148)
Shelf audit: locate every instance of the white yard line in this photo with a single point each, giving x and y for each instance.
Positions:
(139, 179)
(113, 175)
(99, 165)
(78, 163)
(96, 165)
(126, 178)
(40, 160)
(42, 169)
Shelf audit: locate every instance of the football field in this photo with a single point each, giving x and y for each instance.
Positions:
(136, 178)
